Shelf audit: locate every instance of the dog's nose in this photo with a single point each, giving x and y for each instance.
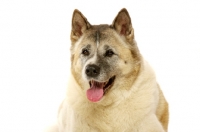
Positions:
(92, 70)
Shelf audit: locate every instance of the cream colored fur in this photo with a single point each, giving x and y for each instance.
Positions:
(134, 103)
(126, 111)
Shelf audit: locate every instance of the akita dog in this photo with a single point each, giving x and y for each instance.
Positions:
(111, 88)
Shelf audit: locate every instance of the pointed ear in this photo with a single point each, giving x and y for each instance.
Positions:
(79, 25)
(122, 24)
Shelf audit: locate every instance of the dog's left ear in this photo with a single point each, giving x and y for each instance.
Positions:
(122, 24)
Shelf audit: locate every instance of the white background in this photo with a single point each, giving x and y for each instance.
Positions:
(35, 58)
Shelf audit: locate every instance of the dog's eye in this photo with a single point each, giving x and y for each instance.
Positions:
(85, 52)
(109, 53)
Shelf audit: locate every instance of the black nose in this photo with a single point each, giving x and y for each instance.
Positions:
(92, 70)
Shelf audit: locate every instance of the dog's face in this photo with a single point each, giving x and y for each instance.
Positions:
(103, 56)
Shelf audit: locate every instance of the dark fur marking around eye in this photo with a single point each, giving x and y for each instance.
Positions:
(86, 50)
(109, 53)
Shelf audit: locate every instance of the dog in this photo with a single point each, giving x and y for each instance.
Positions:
(111, 87)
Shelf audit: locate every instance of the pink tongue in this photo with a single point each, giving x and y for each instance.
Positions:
(95, 93)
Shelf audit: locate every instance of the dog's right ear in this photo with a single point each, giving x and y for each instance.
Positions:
(79, 25)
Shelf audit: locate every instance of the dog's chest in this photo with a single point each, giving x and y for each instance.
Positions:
(106, 120)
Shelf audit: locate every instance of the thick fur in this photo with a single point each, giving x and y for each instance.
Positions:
(134, 103)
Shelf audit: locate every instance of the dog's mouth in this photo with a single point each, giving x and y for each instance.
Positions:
(99, 89)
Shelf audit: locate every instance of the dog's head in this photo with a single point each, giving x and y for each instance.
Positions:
(104, 57)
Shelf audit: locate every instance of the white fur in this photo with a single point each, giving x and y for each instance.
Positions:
(131, 110)
(92, 60)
